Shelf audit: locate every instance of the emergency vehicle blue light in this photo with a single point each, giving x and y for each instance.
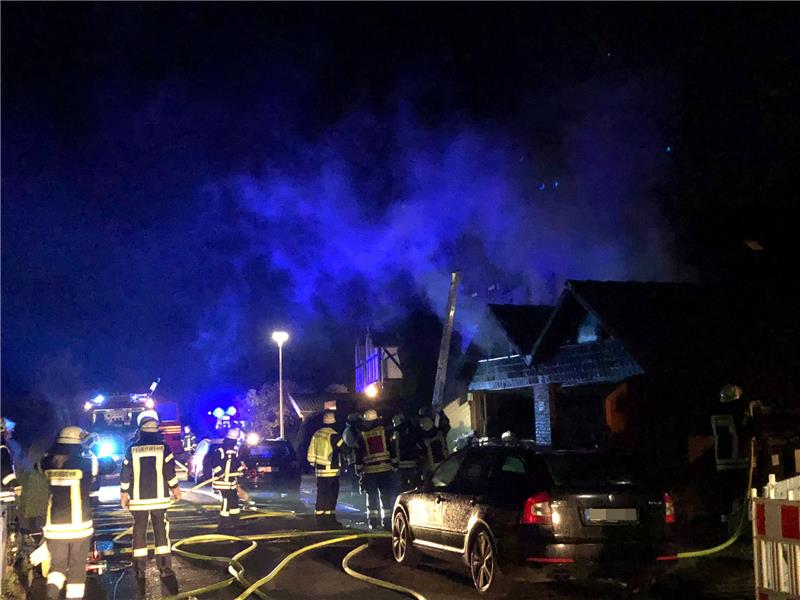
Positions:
(99, 399)
(231, 411)
(218, 412)
(106, 449)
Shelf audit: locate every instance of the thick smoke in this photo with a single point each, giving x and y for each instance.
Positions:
(367, 203)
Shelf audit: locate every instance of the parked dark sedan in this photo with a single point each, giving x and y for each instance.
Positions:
(515, 512)
(271, 465)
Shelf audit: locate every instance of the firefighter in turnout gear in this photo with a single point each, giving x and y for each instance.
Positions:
(433, 442)
(405, 440)
(146, 482)
(325, 455)
(9, 490)
(70, 470)
(375, 463)
(227, 467)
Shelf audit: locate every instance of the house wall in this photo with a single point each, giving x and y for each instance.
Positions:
(460, 415)
(543, 395)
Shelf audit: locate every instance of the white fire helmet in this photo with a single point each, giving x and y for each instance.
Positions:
(233, 434)
(71, 435)
(730, 393)
(329, 418)
(148, 425)
(370, 415)
(147, 414)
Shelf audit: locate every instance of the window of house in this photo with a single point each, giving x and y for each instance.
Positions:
(588, 330)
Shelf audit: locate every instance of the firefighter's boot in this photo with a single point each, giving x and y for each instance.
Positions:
(169, 581)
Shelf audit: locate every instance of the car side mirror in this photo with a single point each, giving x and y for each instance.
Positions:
(427, 480)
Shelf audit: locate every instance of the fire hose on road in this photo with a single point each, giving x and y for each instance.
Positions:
(742, 518)
(237, 569)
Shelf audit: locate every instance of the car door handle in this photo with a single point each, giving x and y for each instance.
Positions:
(439, 499)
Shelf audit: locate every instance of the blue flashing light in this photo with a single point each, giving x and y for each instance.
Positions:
(99, 399)
(542, 187)
(218, 412)
(106, 449)
(668, 149)
(555, 183)
(231, 411)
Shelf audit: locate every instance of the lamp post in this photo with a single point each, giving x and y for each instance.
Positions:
(280, 338)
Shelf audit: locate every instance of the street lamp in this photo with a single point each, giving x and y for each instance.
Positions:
(280, 338)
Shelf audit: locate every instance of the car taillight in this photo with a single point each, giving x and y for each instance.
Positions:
(669, 509)
(537, 510)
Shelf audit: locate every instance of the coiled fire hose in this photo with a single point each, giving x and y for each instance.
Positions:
(237, 570)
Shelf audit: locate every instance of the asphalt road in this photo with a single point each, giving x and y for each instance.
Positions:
(318, 574)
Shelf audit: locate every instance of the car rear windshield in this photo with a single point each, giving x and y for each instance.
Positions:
(271, 450)
(593, 469)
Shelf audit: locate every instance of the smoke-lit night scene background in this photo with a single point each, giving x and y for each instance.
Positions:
(181, 180)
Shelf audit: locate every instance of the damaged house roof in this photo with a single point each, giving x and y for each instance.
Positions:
(672, 326)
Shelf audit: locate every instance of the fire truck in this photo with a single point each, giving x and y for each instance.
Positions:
(114, 419)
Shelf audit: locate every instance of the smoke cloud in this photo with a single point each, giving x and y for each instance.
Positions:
(378, 198)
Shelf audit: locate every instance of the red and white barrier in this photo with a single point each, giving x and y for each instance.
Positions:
(776, 547)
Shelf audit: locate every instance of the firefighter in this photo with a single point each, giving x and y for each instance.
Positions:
(189, 440)
(324, 454)
(433, 443)
(227, 467)
(732, 432)
(70, 470)
(9, 490)
(146, 482)
(406, 448)
(375, 462)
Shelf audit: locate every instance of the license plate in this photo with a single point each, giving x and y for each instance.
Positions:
(267, 469)
(610, 515)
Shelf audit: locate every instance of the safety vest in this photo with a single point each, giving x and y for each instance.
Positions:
(374, 455)
(69, 477)
(10, 485)
(324, 452)
(435, 449)
(148, 473)
(226, 466)
(405, 448)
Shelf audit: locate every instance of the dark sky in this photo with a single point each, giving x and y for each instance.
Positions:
(180, 178)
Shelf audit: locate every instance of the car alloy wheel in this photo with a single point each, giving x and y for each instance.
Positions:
(482, 562)
(400, 537)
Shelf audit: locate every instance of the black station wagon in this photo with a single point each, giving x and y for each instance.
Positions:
(516, 512)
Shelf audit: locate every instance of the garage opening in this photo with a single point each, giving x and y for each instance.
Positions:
(510, 410)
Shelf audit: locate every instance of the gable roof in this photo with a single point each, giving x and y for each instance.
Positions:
(522, 323)
(661, 325)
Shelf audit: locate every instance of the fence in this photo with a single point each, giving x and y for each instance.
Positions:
(776, 540)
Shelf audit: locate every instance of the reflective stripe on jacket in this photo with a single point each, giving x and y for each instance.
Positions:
(7, 476)
(435, 449)
(227, 467)
(324, 452)
(374, 453)
(148, 473)
(69, 479)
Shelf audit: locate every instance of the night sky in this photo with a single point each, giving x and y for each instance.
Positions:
(179, 179)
